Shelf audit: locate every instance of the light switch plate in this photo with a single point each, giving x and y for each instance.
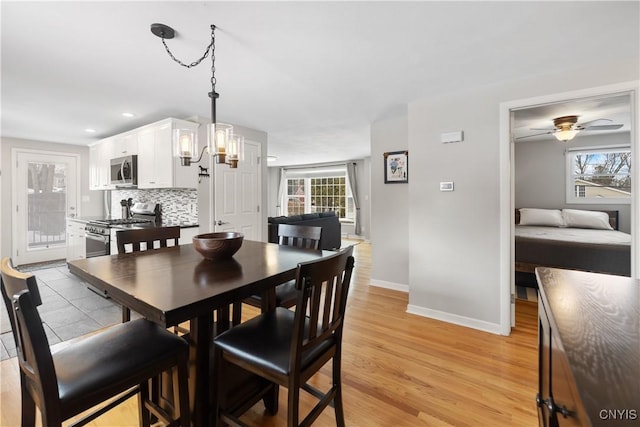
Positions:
(446, 186)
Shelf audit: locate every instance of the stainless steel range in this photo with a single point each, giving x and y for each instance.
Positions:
(98, 232)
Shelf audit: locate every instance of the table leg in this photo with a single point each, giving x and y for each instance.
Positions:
(200, 378)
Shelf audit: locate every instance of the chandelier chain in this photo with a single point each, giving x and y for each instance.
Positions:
(213, 59)
(194, 63)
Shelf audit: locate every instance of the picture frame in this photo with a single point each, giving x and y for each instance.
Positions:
(396, 167)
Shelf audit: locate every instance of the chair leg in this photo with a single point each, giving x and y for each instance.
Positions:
(28, 408)
(293, 409)
(143, 412)
(126, 314)
(271, 399)
(181, 392)
(337, 382)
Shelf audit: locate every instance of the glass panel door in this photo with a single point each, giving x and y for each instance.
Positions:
(45, 194)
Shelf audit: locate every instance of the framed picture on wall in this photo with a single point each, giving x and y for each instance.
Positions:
(396, 167)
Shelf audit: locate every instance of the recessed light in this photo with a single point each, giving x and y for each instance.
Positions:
(89, 130)
(128, 115)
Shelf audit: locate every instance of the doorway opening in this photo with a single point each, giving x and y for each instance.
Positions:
(534, 168)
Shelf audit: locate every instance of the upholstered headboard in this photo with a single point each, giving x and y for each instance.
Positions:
(613, 217)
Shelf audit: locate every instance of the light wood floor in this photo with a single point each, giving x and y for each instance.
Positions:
(398, 369)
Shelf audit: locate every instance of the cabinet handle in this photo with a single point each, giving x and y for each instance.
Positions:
(553, 407)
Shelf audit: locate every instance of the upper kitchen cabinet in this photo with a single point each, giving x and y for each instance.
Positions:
(125, 144)
(99, 158)
(158, 166)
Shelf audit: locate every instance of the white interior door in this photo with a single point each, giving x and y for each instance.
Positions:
(44, 194)
(238, 195)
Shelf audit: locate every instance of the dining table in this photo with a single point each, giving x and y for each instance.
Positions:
(173, 285)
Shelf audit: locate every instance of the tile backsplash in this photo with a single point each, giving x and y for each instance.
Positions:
(176, 204)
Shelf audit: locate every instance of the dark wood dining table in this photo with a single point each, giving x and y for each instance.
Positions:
(173, 285)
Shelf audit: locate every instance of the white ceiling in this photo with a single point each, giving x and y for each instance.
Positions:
(314, 75)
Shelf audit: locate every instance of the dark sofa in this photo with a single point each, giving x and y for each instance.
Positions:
(331, 229)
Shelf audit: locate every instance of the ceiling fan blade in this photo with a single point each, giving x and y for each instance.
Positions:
(550, 129)
(535, 134)
(590, 122)
(604, 127)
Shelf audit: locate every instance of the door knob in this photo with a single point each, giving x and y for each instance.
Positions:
(219, 222)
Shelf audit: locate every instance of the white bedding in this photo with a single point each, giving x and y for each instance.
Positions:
(580, 235)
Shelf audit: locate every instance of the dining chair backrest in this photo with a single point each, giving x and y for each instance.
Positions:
(34, 355)
(300, 236)
(323, 286)
(134, 237)
(13, 285)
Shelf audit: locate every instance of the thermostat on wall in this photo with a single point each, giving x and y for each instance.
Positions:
(446, 186)
(449, 137)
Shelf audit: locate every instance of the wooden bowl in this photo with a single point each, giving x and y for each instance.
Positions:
(216, 246)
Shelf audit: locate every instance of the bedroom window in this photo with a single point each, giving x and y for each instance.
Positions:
(319, 194)
(599, 175)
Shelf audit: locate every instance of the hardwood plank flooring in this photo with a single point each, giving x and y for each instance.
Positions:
(399, 369)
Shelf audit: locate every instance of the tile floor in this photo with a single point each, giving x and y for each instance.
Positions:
(69, 309)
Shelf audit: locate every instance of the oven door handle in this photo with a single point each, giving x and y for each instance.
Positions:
(98, 237)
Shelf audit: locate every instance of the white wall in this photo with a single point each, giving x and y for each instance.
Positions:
(91, 202)
(390, 207)
(540, 171)
(454, 239)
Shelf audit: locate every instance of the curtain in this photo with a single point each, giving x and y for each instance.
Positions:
(353, 184)
(282, 186)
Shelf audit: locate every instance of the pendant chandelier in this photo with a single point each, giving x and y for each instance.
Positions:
(222, 143)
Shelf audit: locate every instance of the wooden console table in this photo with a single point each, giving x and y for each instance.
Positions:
(589, 349)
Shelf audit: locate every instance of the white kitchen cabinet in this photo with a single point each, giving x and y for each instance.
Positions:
(124, 144)
(76, 243)
(99, 158)
(158, 167)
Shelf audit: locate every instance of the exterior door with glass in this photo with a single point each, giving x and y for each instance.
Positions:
(45, 193)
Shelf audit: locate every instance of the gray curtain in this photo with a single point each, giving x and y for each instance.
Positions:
(282, 185)
(353, 184)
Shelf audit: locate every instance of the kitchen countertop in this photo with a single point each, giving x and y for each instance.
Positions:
(182, 224)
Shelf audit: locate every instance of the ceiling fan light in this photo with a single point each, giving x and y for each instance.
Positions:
(565, 135)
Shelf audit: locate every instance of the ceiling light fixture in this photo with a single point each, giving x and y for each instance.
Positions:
(89, 130)
(565, 128)
(127, 115)
(221, 141)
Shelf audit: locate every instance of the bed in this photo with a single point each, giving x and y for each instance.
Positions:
(589, 241)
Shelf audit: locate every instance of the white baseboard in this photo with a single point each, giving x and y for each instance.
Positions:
(468, 322)
(389, 285)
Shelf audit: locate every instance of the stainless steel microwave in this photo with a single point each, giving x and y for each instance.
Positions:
(124, 171)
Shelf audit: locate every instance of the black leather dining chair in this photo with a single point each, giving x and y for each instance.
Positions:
(103, 369)
(288, 347)
(299, 236)
(131, 241)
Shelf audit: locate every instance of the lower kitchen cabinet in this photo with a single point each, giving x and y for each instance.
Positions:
(589, 349)
(76, 242)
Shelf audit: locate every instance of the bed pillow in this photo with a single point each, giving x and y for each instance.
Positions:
(586, 219)
(545, 217)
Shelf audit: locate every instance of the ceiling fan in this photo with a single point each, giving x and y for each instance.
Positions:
(567, 127)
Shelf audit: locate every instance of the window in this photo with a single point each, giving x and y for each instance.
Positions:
(599, 175)
(320, 193)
